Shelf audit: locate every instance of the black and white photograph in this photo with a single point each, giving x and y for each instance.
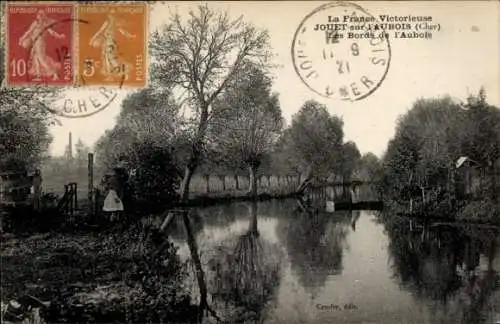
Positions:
(238, 162)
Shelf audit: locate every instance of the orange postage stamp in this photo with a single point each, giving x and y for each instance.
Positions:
(112, 44)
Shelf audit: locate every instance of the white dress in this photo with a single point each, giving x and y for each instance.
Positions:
(112, 203)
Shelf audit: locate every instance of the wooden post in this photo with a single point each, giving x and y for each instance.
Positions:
(223, 180)
(90, 183)
(207, 182)
(65, 193)
(167, 221)
(37, 190)
(236, 180)
(75, 197)
(96, 202)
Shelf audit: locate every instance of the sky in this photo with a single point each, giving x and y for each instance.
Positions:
(457, 61)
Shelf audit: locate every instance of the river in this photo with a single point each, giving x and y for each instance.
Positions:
(272, 263)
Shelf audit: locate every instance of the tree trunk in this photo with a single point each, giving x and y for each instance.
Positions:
(207, 182)
(493, 175)
(186, 181)
(196, 150)
(253, 222)
(223, 180)
(191, 165)
(237, 182)
(252, 190)
(200, 275)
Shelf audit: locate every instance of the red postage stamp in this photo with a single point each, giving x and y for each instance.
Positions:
(39, 44)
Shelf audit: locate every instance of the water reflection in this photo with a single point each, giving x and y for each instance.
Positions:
(449, 268)
(245, 274)
(272, 263)
(315, 245)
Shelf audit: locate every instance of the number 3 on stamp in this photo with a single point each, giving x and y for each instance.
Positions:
(39, 44)
(112, 44)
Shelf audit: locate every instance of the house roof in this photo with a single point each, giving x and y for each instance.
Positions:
(464, 160)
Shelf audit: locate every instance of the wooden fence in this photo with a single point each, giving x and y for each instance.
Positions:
(271, 184)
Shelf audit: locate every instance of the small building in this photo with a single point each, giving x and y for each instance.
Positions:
(20, 188)
(468, 178)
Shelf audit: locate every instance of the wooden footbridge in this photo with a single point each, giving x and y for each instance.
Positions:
(349, 195)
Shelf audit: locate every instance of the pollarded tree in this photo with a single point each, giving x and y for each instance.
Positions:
(148, 116)
(426, 144)
(202, 55)
(145, 135)
(247, 121)
(368, 168)
(151, 114)
(314, 141)
(350, 159)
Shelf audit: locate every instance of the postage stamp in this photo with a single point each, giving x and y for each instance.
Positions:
(337, 53)
(39, 44)
(112, 45)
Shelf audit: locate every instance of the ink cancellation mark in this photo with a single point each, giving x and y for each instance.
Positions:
(112, 46)
(39, 44)
(40, 57)
(336, 56)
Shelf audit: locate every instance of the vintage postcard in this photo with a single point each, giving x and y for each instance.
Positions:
(250, 162)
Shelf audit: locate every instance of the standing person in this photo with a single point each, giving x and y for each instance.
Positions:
(121, 177)
(113, 204)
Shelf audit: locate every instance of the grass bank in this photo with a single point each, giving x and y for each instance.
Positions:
(97, 277)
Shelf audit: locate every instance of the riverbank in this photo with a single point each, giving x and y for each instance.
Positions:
(204, 200)
(96, 277)
(211, 199)
(482, 211)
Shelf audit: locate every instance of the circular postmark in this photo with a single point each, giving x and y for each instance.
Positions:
(340, 51)
(57, 90)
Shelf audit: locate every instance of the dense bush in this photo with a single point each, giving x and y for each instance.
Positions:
(25, 220)
(151, 291)
(484, 210)
(429, 140)
(156, 177)
(114, 276)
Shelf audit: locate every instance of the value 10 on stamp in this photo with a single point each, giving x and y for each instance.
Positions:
(40, 44)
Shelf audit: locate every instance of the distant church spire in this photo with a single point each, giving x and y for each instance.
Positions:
(69, 149)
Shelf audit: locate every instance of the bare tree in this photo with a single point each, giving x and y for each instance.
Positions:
(202, 55)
